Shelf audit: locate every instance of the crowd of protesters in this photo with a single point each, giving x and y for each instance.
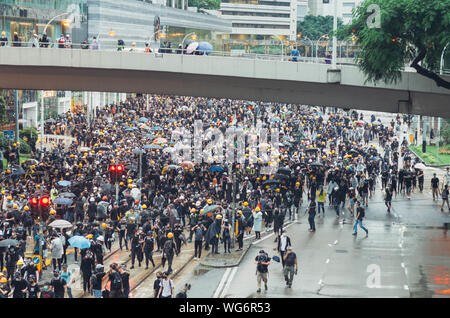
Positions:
(336, 157)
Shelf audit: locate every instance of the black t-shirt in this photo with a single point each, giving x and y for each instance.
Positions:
(434, 182)
(33, 291)
(261, 267)
(18, 286)
(125, 280)
(290, 259)
(156, 284)
(97, 280)
(58, 286)
(361, 212)
(47, 294)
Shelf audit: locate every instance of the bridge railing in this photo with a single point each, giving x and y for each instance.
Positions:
(252, 56)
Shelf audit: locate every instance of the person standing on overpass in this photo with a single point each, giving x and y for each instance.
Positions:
(295, 53)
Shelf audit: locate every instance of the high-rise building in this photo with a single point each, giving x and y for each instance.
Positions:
(261, 19)
(326, 7)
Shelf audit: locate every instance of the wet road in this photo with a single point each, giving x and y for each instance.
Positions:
(406, 254)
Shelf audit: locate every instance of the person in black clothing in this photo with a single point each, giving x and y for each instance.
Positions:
(136, 249)
(58, 284)
(125, 276)
(43, 41)
(168, 252)
(122, 234)
(11, 260)
(183, 292)
(96, 281)
(157, 284)
(4, 288)
(149, 244)
(115, 278)
(311, 216)
(19, 286)
(86, 267)
(33, 287)
(388, 199)
(47, 291)
(435, 187)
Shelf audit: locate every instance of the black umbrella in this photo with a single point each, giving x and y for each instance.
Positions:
(270, 182)
(353, 152)
(285, 171)
(281, 176)
(311, 149)
(102, 148)
(316, 164)
(63, 201)
(9, 242)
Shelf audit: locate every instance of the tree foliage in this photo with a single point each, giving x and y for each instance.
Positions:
(3, 117)
(205, 4)
(315, 26)
(412, 32)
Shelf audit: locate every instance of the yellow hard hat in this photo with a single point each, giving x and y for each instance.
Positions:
(245, 204)
(121, 183)
(3, 280)
(104, 225)
(130, 180)
(14, 144)
(71, 156)
(52, 211)
(201, 210)
(297, 183)
(80, 165)
(209, 201)
(144, 206)
(3, 191)
(278, 190)
(89, 236)
(239, 212)
(9, 197)
(170, 235)
(8, 171)
(15, 206)
(130, 185)
(26, 208)
(193, 210)
(257, 209)
(218, 216)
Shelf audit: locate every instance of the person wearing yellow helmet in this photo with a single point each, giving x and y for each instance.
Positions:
(168, 252)
(257, 222)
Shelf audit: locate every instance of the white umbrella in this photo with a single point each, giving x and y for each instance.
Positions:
(420, 166)
(61, 224)
(191, 47)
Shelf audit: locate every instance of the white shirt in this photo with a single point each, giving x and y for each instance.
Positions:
(283, 243)
(167, 285)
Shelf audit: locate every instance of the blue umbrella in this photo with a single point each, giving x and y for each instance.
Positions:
(157, 128)
(63, 201)
(143, 120)
(216, 169)
(79, 242)
(205, 47)
(275, 119)
(210, 103)
(148, 136)
(172, 120)
(153, 147)
(65, 183)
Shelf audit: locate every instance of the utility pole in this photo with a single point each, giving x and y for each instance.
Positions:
(334, 57)
(42, 124)
(424, 135)
(17, 117)
(438, 138)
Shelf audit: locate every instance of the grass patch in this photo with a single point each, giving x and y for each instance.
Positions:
(430, 156)
(23, 157)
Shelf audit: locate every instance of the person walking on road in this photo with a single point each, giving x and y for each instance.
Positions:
(435, 187)
(168, 252)
(166, 287)
(96, 281)
(262, 269)
(283, 243)
(257, 222)
(360, 213)
(290, 266)
(149, 244)
(445, 193)
(199, 231)
(388, 199)
(311, 216)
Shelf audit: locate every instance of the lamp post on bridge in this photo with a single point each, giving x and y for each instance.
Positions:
(441, 72)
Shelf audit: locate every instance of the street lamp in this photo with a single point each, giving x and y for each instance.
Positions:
(194, 37)
(441, 72)
(325, 36)
(52, 19)
(441, 69)
(282, 44)
(334, 56)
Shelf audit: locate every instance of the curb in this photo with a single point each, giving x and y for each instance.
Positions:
(245, 251)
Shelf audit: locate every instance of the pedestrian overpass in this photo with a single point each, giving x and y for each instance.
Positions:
(218, 76)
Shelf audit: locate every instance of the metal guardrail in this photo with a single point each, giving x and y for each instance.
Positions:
(252, 56)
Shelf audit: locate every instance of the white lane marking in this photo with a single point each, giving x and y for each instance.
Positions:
(227, 286)
(320, 282)
(403, 265)
(327, 261)
(335, 242)
(222, 281)
(405, 287)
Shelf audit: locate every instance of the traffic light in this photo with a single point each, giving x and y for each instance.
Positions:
(34, 202)
(39, 207)
(44, 202)
(116, 172)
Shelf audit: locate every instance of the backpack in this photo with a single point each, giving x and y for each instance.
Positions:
(116, 282)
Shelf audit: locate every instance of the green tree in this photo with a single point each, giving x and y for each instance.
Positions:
(411, 32)
(315, 26)
(3, 118)
(205, 4)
